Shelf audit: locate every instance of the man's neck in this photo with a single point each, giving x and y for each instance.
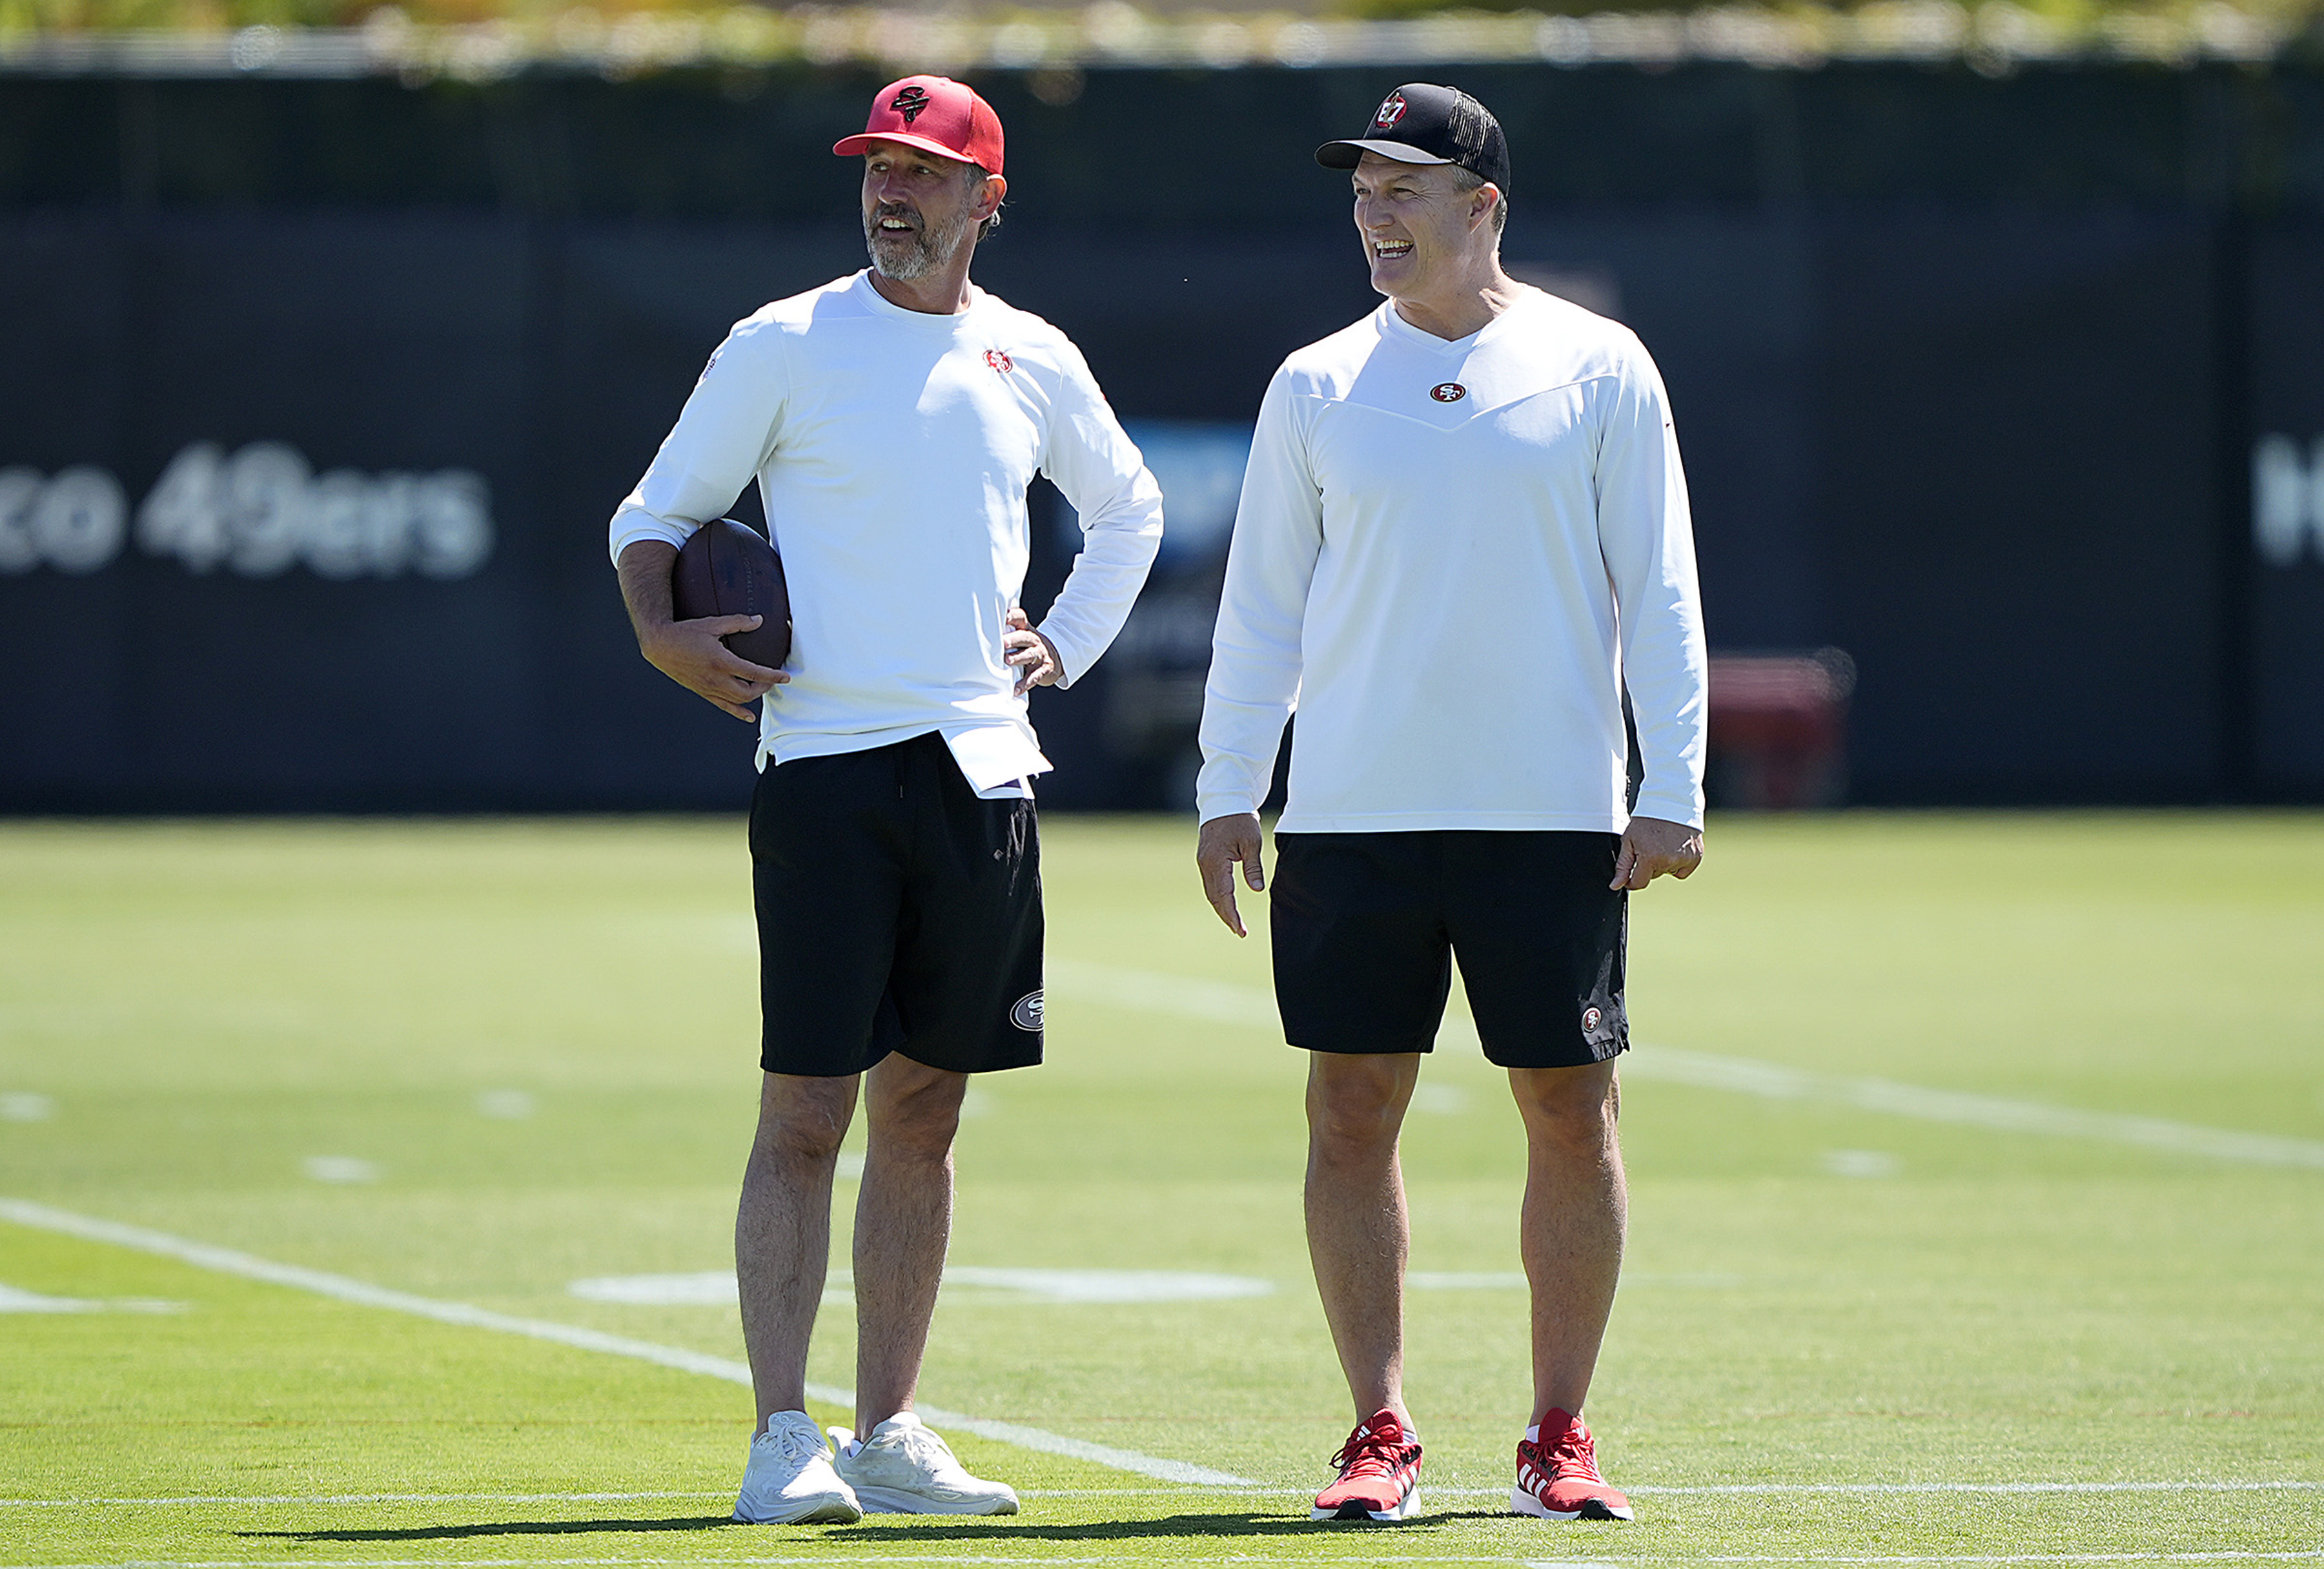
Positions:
(944, 294)
(1483, 293)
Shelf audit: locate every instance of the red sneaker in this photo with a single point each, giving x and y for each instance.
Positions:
(1557, 1475)
(1380, 1468)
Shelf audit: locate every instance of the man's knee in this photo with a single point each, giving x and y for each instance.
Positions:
(802, 1119)
(915, 1109)
(1355, 1104)
(1577, 1107)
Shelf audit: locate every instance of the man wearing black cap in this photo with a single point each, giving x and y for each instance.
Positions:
(892, 420)
(1463, 534)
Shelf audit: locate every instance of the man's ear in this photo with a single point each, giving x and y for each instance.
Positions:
(995, 189)
(1481, 203)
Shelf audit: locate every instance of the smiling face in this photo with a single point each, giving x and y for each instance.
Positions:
(1423, 235)
(919, 209)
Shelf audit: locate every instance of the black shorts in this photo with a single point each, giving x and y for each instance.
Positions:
(1366, 928)
(897, 912)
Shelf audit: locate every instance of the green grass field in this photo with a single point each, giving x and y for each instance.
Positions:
(1977, 1212)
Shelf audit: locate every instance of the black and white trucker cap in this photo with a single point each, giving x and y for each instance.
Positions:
(1421, 123)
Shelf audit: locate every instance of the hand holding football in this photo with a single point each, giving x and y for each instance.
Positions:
(729, 569)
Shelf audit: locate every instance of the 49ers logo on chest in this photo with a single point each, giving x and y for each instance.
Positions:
(1000, 361)
(1448, 391)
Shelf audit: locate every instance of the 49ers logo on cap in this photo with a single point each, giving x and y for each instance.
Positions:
(910, 102)
(1448, 391)
(1391, 110)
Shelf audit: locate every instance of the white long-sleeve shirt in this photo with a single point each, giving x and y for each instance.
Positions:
(1450, 556)
(893, 448)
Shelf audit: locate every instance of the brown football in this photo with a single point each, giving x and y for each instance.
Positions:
(728, 568)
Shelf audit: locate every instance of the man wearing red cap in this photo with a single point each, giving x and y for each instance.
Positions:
(892, 420)
(1485, 475)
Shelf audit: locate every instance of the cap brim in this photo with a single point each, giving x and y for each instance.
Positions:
(849, 146)
(1348, 154)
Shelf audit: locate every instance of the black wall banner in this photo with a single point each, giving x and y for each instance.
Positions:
(2285, 638)
(302, 501)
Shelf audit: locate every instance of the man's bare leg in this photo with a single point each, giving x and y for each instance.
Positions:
(903, 1222)
(1358, 1233)
(1576, 1210)
(782, 1230)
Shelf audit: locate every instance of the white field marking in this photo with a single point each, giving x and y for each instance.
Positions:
(507, 1105)
(228, 1260)
(1458, 1281)
(850, 1165)
(305, 1500)
(344, 1168)
(12, 1300)
(1224, 1002)
(716, 1288)
(24, 1106)
(696, 1289)
(1883, 1489)
(1510, 1281)
(1872, 1489)
(1776, 1082)
(702, 1289)
(1441, 1100)
(2231, 1556)
(1085, 1285)
(1861, 1163)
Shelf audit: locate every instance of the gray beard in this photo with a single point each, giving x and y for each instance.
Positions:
(931, 252)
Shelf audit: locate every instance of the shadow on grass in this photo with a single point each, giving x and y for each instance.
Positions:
(927, 1528)
(494, 1528)
(924, 1529)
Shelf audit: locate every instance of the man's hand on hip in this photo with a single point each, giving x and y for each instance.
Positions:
(1223, 842)
(1651, 848)
(1033, 656)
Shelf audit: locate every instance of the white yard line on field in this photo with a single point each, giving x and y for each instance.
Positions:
(1223, 1002)
(1242, 1493)
(1240, 1560)
(229, 1262)
(298, 1500)
(1644, 1489)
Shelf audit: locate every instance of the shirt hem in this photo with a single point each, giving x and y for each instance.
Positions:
(1434, 822)
(1025, 761)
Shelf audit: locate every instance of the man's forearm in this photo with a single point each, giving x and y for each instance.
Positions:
(1098, 591)
(644, 571)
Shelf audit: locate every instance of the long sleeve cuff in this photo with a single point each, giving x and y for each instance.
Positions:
(633, 524)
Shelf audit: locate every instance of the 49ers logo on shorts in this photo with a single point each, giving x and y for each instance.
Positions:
(910, 103)
(1391, 110)
(1027, 1014)
(1000, 361)
(1591, 1019)
(1448, 391)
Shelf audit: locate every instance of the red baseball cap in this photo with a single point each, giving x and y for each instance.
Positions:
(936, 114)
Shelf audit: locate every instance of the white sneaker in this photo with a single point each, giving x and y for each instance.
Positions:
(905, 1469)
(789, 1481)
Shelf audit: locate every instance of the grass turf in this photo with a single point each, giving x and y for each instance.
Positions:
(192, 1015)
